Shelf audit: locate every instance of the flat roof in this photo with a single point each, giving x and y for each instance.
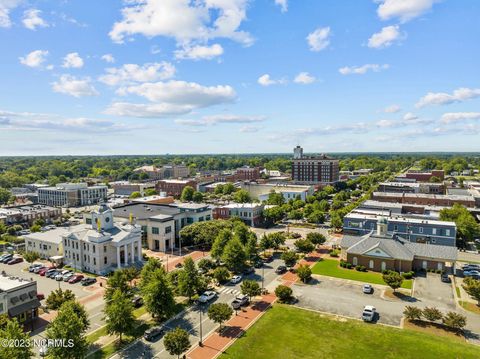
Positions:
(424, 195)
(10, 282)
(243, 205)
(51, 236)
(398, 218)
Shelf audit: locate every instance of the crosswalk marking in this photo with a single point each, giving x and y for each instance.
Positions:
(227, 290)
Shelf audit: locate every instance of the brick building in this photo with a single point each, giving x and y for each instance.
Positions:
(319, 170)
(425, 176)
(247, 173)
(174, 187)
(424, 199)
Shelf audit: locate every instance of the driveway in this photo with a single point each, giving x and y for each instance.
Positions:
(347, 299)
(431, 291)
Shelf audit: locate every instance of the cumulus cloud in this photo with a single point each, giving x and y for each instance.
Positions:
(318, 40)
(5, 7)
(304, 78)
(404, 10)
(442, 98)
(133, 73)
(220, 119)
(392, 109)
(385, 38)
(34, 59)
(361, 70)
(76, 87)
(32, 20)
(72, 60)
(108, 58)
(283, 4)
(459, 116)
(410, 117)
(266, 80)
(199, 52)
(184, 20)
(388, 123)
(171, 98)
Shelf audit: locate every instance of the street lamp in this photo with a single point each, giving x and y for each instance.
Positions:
(200, 342)
(263, 274)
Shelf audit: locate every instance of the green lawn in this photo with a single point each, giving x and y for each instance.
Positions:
(289, 332)
(331, 268)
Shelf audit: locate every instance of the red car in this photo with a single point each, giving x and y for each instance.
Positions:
(75, 278)
(40, 296)
(15, 260)
(44, 270)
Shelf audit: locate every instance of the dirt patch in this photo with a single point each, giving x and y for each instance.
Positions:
(398, 295)
(434, 328)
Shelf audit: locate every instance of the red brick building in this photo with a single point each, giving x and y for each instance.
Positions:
(425, 176)
(174, 187)
(247, 173)
(424, 199)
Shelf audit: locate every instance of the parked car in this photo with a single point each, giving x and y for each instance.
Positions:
(75, 279)
(53, 274)
(240, 301)
(152, 333)
(6, 257)
(258, 264)
(281, 270)
(248, 270)
(368, 314)
(207, 296)
(468, 267)
(137, 301)
(268, 259)
(38, 269)
(32, 267)
(40, 296)
(471, 273)
(15, 260)
(236, 279)
(178, 265)
(445, 278)
(367, 289)
(88, 281)
(67, 276)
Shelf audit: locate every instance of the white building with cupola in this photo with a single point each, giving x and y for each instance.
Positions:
(101, 245)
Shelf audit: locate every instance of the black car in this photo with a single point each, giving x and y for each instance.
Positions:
(5, 258)
(248, 270)
(137, 301)
(258, 264)
(152, 333)
(281, 270)
(268, 259)
(445, 278)
(87, 281)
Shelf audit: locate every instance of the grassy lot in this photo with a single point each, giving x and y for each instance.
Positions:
(472, 307)
(288, 332)
(331, 268)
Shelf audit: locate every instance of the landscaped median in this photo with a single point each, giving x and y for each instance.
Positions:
(288, 332)
(331, 268)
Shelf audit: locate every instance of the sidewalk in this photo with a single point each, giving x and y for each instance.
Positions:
(215, 343)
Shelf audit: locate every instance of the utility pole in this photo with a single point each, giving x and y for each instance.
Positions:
(200, 343)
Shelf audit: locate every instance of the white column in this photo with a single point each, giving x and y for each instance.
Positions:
(132, 251)
(118, 257)
(125, 257)
(139, 249)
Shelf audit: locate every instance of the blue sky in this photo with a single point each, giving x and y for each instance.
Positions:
(238, 76)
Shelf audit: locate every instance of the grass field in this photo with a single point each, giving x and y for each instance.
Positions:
(472, 307)
(331, 268)
(288, 332)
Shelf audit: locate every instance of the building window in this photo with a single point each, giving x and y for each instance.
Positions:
(155, 230)
(355, 261)
(447, 232)
(168, 229)
(370, 264)
(434, 231)
(384, 266)
(395, 228)
(105, 249)
(420, 229)
(94, 261)
(93, 248)
(105, 260)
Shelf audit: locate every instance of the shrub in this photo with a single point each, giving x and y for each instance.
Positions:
(412, 313)
(334, 253)
(432, 314)
(361, 268)
(304, 273)
(438, 271)
(295, 235)
(348, 265)
(407, 275)
(283, 293)
(454, 320)
(343, 263)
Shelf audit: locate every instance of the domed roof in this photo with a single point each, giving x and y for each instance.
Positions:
(382, 220)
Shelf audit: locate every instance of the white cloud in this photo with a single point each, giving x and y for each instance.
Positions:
(404, 10)
(183, 20)
(171, 98)
(266, 80)
(72, 86)
(442, 98)
(361, 70)
(385, 38)
(388, 123)
(283, 4)
(108, 58)
(410, 117)
(319, 39)
(34, 59)
(72, 60)
(220, 119)
(133, 73)
(460, 116)
(32, 20)
(5, 7)
(199, 52)
(392, 109)
(304, 78)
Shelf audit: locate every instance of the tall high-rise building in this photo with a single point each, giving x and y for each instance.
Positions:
(320, 170)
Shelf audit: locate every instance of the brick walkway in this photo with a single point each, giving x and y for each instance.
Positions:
(175, 259)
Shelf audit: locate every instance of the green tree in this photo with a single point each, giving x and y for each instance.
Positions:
(251, 249)
(454, 320)
(242, 196)
(205, 264)
(158, 295)
(70, 327)
(228, 188)
(219, 313)
(221, 274)
(290, 258)
(189, 279)
(12, 331)
(472, 287)
(304, 273)
(220, 242)
(176, 341)
(58, 297)
(266, 242)
(118, 280)
(316, 238)
(274, 214)
(35, 228)
(187, 194)
(393, 279)
(467, 227)
(148, 269)
(304, 245)
(119, 314)
(30, 257)
(275, 198)
(278, 239)
(250, 288)
(234, 255)
(150, 192)
(241, 232)
(135, 195)
(432, 314)
(80, 312)
(197, 197)
(283, 293)
(4, 195)
(412, 313)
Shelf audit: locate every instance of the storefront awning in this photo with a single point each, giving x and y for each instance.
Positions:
(22, 308)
